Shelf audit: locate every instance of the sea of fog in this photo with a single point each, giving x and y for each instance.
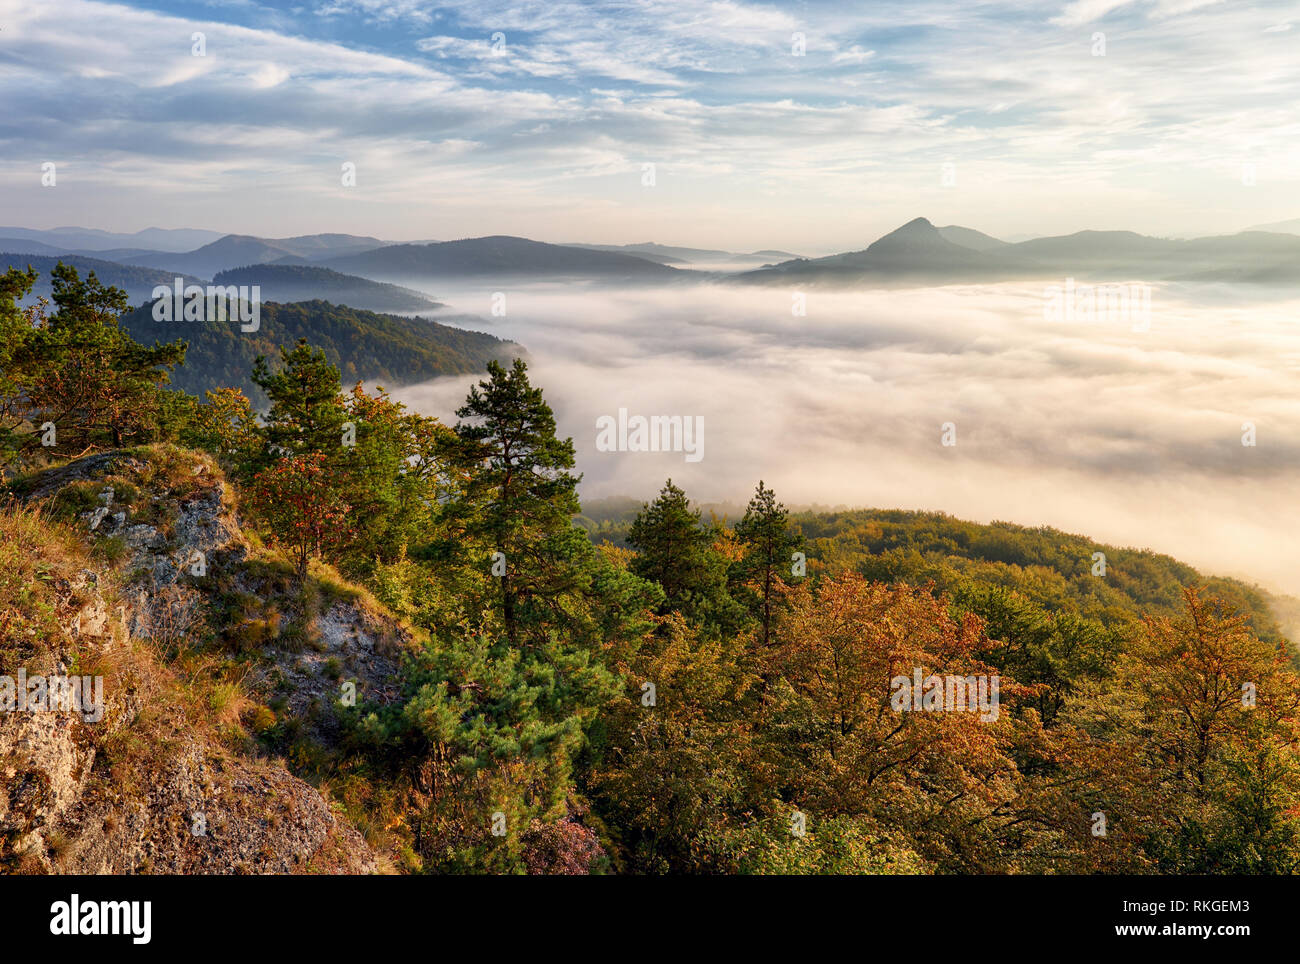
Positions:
(1127, 429)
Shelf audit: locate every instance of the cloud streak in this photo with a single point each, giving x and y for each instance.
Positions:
(754, 146)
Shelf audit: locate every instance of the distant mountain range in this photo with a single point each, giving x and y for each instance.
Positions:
(668, 254)
(240, 250)
(93, 239)
(294, 282)
(279, 282)
(920, 253)
(499, 256)
(916, 253)
(1279, 227)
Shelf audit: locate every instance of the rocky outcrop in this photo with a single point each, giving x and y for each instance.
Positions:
(156, 785)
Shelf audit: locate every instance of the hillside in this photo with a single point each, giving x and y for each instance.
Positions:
(495, 257)
(1050, 568)
(137, 282)
(287, 283)
(183, 770)
(364, 345)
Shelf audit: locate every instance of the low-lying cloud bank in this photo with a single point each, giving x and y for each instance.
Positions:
(1131, 436)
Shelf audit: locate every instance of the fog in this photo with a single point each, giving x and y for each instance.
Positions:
(1132, 437)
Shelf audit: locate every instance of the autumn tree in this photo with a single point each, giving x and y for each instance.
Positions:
(943, 779)
(1204, 716)
(303, 512)
(672, 760)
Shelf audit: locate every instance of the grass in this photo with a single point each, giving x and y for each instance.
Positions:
(196, 683)
(40, 562)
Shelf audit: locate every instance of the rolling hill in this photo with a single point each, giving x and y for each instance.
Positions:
(289, 282)
(136, 281)
(497, 256)
(673, 255)
(238, 250)
(365, 345)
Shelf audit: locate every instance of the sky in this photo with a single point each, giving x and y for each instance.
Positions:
(810, 127)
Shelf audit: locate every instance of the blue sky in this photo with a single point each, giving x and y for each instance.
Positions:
(998, 116)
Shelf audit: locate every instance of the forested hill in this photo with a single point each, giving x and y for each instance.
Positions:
(137, 282)
(364, 345)
(298, 282)
(1051, 570)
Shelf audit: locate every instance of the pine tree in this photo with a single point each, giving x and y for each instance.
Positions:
(520, 496)
(764, 531)
(677, 550)
(306, 414)
(80, 371)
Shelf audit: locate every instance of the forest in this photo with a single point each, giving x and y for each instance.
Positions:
(669, 692)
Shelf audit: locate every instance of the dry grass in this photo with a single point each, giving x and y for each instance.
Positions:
(39, 561)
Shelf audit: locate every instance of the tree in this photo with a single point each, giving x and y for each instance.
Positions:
(944, 779)
(677, 550)
(520, 496)
(1203, 714)
(764, 531)
(672, 757)
(226, 426)
(80, 371)
(302, 510)
(15, 326)
(306, 414)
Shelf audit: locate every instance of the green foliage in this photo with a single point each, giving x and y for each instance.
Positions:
(678, 551)
(768, 544)
(80, 372)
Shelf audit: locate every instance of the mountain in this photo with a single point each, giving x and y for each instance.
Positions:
(231, 251)
(914, 252)
(646, 251)
(238, 250)
(497, 256)
(136, 281)
(1279, 227)
(327, 245)
(669, 254)
(768, 256)
(970, 238)
(918, 253)
(291, 282)
(30, 246)
(93, 239)
(364, 344)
